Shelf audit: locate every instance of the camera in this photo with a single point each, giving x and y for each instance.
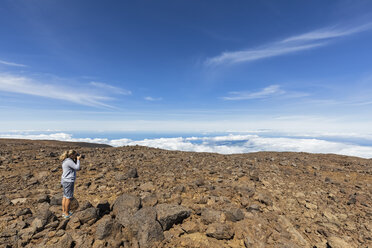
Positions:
(82, 156)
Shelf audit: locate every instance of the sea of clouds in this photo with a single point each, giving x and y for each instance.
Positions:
(224, 144)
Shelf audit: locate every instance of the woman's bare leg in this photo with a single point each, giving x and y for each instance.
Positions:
(67, 206)
(63, 205)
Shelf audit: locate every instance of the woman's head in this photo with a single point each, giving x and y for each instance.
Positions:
(68, 154)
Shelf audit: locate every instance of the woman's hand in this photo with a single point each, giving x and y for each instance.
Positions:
(78, 157)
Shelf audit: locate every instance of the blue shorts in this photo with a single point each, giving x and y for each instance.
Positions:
(68, 189)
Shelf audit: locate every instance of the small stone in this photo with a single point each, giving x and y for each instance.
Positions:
(210, 215)
(179, 189)
(199, 182)
(253, 207)
(311, 206)
(132, 173)
(234, 214)
(120, 177)
(23, 211)
(149, 201)
(190, 227)
(18, 201)
(220, 231)
(336, 242)
(149, 187)
(265, 199)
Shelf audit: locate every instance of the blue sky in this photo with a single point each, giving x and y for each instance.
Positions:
(186, 66)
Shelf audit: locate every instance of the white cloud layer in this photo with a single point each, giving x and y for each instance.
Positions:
(270, 91)
(306, 41)
(11, 64)
(228, 144)
(153, 99)
(111, 88)
(29, 86)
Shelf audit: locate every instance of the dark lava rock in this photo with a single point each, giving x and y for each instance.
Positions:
(146, 228)
(220, 231)
(124, 207)
(234, 214)
(66, 241)
(106, 227)
(56, 199)
(85, 205)
(103, 208)
(168, 214)
(44, 214)
(23, 211)
(89, 214)
(132, 173)
(43, 198)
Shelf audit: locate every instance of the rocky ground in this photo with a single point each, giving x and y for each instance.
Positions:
(146, 197)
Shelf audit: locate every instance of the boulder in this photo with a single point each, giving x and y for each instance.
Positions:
(124, 207)
(106, 227)
(146, 228)
(66, 241)
(87, 215)
(84, 205)
(56, 199)
(168, 214)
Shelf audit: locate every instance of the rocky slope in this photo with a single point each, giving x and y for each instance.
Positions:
(145, 197)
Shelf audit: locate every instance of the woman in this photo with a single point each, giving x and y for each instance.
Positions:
(70, 164)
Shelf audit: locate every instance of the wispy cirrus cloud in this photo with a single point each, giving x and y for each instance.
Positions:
(29, 86)
(111, 88)
(11, 64)
(306, 41)
(270, 91)
(153, 99)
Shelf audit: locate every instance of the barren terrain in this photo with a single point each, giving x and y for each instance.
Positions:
(145, 197)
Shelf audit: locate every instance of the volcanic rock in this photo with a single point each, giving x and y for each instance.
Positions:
(124, 207)
(220, 231)
(168, 214)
